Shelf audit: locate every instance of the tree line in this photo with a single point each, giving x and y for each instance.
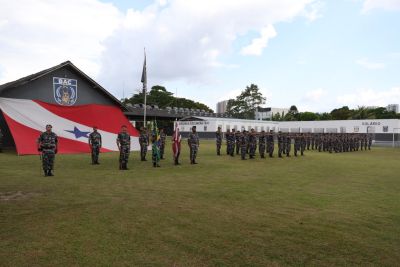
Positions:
(245, 105)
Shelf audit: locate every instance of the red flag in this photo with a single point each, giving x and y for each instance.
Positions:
(176, 141)
(72, 124)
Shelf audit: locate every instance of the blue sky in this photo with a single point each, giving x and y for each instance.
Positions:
(317, 55)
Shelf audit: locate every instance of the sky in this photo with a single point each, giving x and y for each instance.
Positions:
(315, 54)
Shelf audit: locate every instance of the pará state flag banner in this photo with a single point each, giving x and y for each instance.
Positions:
(72, 124)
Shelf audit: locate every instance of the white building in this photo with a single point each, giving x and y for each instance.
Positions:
(268, 113)
(393, 107)
(221, 106)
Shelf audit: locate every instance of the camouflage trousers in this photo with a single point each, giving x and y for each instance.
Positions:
(95, 149)
(288, 147)
(252, 150)
(296, 148)
(243, 151)
(155, 154)
(162, 149)
(193, 152)
(231, 148)
(302, 148)
(143, 151)
(237, 147)
(280, 149)
(124, 156)
(270, 148)
(261, 149)
(218, 144)
(48, 157)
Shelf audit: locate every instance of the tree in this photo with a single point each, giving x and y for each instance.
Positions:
(245, 104)
(308, 116)
(276, 116)
(159, 96)
(293, 109)
(342, 113)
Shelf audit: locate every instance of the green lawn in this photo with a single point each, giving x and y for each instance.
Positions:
(318, 210)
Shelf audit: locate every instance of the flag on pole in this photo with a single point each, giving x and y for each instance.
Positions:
(144, 75)
(176, 141)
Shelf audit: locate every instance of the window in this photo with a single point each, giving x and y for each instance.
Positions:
(256, 128)
(205, 128)
(356, 129)
(235, 127)
(262, 128)
(248, 128)
(385, 129)
(228, 127)
(342, 129)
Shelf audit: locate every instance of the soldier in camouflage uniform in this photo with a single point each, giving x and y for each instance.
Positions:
(288, 144)
(252, 144)
(369, 141)
(155, 150)
(243, 145)
(124, 146)
(193, 142)
(218, 140)
(48, 146)
(95, 145)
(237, 141)
(281, 143)
(303, 143)
(230, 142)
(270, 144)
(163, 138)
(144, 143)
(296, 145)
(261, 144)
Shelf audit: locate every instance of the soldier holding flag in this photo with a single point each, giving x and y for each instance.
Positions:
(176, 144)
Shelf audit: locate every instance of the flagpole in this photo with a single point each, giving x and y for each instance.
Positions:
(144, 81)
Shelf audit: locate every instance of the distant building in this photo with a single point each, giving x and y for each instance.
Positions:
(221, 106)
(393, 107)
(268, 113)
(372, 107)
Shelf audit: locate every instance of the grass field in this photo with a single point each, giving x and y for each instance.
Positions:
(318, 210)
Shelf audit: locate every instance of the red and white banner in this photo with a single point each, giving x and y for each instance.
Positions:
(72, 124)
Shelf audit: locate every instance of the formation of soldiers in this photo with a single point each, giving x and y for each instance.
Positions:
(246, 142)
(47, 144)
(243, 143)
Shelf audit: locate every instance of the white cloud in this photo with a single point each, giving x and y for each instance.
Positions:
(364, 62)
(380, 4)
(39, 34)
(187, 40)
(313, 11)
(184, 39)
(315, 95)
(258, 44)
(370, 97)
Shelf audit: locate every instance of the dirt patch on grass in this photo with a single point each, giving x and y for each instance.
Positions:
(17, 195)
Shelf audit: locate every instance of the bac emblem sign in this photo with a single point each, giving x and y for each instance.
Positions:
(65, 91)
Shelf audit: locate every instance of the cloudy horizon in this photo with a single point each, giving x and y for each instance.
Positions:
(315, 54)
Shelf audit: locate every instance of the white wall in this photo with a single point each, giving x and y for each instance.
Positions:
(348, 126)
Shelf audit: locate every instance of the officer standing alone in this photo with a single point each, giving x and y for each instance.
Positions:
(48, 146)
(95, 145)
